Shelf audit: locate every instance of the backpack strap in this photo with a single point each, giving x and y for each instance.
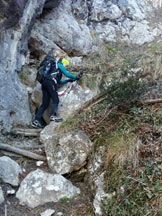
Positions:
(57, 64)
(52, 75)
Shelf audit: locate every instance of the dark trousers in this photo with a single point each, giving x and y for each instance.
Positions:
(49, 91)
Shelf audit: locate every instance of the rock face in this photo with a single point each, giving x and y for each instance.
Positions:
(40, 187)
(60, 28)
(123, 20)
(49, 4)
(14, 105)
(11, 11)
(74, 26)
(65, 152)
(9, 171)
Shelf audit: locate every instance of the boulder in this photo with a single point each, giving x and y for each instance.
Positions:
(9, 171)
(40, 187)
(65, 152)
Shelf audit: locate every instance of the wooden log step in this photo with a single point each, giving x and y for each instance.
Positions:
(22, 152)
(26, 131)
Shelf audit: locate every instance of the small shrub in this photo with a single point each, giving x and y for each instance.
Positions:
(125, 93)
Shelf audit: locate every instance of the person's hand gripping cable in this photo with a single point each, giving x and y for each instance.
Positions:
(77, 78)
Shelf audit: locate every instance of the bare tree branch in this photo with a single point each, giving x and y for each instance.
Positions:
(152, 101)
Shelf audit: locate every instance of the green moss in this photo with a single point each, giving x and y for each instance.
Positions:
(64, 198)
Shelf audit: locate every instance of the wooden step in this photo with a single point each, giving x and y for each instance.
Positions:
(26, 131)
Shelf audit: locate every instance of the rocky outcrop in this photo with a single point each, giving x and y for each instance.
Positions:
(74, 26)
(59, 29)
(122, 20)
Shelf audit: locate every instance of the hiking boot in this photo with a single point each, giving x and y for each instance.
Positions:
(56, 118)
(37, 124)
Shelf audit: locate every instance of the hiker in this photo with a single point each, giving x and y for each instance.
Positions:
(49, 91)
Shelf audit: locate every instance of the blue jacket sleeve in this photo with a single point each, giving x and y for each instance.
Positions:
(65, 72)
(61, 82)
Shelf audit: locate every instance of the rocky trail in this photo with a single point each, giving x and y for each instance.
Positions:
(79, 205)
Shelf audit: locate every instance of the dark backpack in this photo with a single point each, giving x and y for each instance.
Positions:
(48, 70)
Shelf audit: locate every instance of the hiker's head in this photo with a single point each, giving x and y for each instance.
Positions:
(65, 62)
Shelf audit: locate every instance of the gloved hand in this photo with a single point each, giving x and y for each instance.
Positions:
(71, 80)
(79, 76)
